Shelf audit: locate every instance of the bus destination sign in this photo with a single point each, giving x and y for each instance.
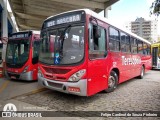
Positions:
(21, 35)
(66, 19)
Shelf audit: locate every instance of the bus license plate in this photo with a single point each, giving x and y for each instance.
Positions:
(13, 77)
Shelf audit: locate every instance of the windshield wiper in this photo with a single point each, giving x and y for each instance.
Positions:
(60, 41)
(62, 37)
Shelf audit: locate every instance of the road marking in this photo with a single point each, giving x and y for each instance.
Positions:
(36, 91)
(30, 93)
(4, 85)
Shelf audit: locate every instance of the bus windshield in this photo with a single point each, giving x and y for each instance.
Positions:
(62, 46)
(17, 52)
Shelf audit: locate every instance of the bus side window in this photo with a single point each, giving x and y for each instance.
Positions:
(140, 47)
(114, 39)
(51, 45)
(125, 42)
(149, 49)
(35, 52)
(1, 47)
(133, 45)
(97, 45)
(145, 51)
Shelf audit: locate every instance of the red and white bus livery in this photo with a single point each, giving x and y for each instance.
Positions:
(22, 55)
(82, 53)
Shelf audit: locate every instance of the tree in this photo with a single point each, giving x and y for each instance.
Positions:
(155, 8)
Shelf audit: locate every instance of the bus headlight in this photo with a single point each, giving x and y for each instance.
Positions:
(77, 76)
(25, 69)
(40, 72)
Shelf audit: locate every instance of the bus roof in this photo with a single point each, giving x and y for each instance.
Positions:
(156, 44)
(94, 14)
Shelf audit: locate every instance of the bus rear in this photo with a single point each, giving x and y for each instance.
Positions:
(156, 55)
(22, 55)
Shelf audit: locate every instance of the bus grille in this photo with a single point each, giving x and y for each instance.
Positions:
(56, 85)
(13, 75)
(52, 77)
(56, 70)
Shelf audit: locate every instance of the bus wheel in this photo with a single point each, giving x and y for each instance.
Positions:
(112, 82)
(142, 73)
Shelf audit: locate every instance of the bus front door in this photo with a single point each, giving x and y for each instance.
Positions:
(154, 56)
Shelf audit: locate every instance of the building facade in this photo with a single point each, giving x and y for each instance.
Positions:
(144, 28)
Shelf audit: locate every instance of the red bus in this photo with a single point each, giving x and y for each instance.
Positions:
(22, 55)
(89, 54)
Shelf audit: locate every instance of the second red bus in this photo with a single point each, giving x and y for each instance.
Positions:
(22, 55)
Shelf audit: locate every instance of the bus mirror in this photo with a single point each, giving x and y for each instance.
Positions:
(1, 61)
(98, 32)
(52, 39)
(105, 53)
(91, 18)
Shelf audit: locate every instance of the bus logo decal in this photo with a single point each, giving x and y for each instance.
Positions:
(130, 60)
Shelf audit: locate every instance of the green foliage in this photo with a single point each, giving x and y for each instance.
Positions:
(155, 8)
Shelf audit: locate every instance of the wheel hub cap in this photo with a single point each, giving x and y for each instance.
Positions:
(111, 81)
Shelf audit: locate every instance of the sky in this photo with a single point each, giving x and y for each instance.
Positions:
(124, 11)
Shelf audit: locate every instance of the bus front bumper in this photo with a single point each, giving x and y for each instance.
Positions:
(21, 76)
(77, 88)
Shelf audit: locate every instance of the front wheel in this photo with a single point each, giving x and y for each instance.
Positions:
(112, 82)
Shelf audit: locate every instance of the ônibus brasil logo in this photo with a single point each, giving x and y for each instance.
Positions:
(8, 110)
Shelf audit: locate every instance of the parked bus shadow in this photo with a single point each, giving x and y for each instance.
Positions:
(155, 69)
(61, 101)
(72, 102)
(78, 100)
(58, 94)
(68, 102)
(125, 83)
(22, 81)
(69, 96)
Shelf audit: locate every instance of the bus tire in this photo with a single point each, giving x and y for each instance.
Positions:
(112, 82)
(152, 68)
(142, 73)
